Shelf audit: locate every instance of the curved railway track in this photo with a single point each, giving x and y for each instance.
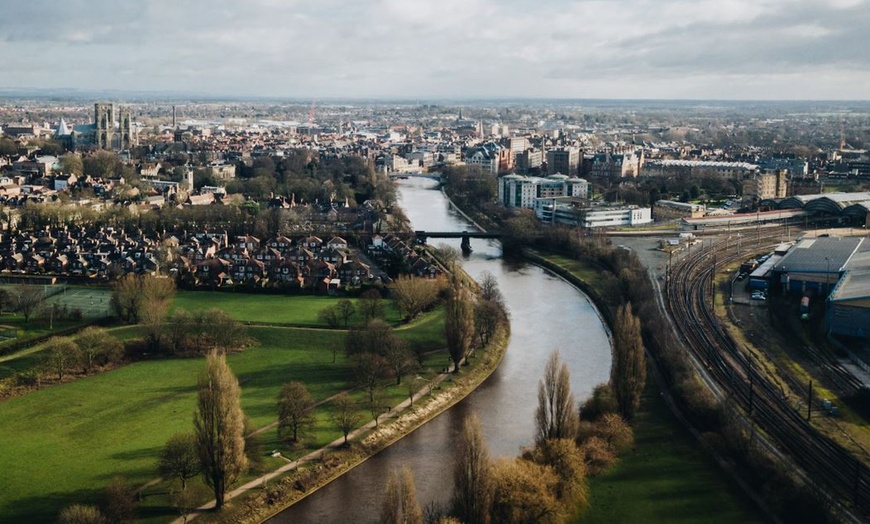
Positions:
(825, 462)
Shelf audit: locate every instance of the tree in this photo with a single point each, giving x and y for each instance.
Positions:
(367, 371)
(472, 475)
(71, 163)
(81, 514)
(27, 299)
(414, 294)
(599, 404)
(345, 414)
(219, 425)
(400, 501)
(60, 355)
(295, 411)
(487, 315)
(489, 289)
(97, 346)
(556, 416)
(156, 299)
(458, 323)
(126, 297)
(628, 372)
(370, 304)
(345, 309)
(377, 404)
(118, 503)
(523, 492)
(145, 298)
(330, 316)
(179, 458)
(398, 357)
(569, 464)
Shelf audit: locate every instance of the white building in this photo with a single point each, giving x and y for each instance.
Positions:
(573, 212)
(521, 191)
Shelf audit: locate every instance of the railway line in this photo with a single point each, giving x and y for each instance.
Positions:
(828, 465)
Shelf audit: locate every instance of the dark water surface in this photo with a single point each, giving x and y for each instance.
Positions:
(546, 314)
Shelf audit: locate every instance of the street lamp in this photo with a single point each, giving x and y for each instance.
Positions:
(827, 291)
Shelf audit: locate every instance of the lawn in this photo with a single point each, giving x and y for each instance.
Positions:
(666, 478)
(297, 310)
(64, 443)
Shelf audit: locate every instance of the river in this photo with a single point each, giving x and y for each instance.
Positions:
(546, 314)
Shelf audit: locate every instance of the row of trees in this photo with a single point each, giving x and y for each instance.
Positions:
(547, 483)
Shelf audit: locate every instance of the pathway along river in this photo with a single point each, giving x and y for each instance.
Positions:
(546, 313)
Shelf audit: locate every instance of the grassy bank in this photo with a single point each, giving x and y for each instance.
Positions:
(298, 310)
(665, 478)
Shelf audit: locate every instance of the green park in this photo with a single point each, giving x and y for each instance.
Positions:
(64, 443)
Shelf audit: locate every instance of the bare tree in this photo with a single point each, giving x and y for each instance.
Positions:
(345, 414)
(118, 503)
(61, 354)
(487, 315)
(628, 373)
(489, 289)
(556, 416)
(28, 299)
(126, 297)
(472, 475)
(458, 323)
(413, 294)
(400, 500)
(295, 411)
(219, 424)
(179, 458)
(330, 316)
(345, 309)
(97, 346)
(371, 305)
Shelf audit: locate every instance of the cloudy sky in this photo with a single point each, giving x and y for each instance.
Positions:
(720, 49)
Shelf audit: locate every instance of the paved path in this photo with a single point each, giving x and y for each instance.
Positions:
(314, 455)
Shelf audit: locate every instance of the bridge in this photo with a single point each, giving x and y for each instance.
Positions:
(430, 176)
(466, 236)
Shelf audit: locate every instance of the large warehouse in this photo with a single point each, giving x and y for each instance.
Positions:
(849, 303)
(838, 268)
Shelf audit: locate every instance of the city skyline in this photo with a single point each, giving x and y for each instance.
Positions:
(627, 49)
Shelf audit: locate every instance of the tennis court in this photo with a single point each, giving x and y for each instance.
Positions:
(92, 302)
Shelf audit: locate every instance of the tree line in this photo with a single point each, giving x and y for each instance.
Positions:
(546, 483)
(719, 423)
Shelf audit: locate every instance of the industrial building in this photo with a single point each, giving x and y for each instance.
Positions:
(832, 267)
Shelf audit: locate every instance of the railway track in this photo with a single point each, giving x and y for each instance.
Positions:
(826, 464)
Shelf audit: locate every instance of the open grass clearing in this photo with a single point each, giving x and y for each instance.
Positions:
(65, 443)
(665, 479)
(297, 310)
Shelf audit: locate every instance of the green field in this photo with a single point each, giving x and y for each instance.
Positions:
(297, 310)
(666, 478)
(65, 443)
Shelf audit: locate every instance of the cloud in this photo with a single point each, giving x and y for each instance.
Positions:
(420, 48)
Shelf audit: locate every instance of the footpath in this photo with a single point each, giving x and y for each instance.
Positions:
(316, 454)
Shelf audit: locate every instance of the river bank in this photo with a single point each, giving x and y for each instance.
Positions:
(258, 500)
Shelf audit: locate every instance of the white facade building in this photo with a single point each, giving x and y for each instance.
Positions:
(521, 191)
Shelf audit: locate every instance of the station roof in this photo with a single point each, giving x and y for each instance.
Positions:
(821, 255)
(854, 285)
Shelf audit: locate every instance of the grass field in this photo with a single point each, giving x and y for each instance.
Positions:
(297, 310)
(666, 478)
(64, 443)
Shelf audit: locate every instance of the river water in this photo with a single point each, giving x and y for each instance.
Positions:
(546, 314)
